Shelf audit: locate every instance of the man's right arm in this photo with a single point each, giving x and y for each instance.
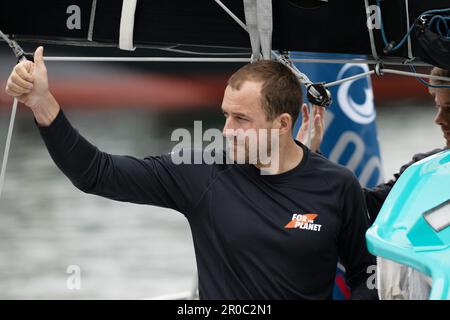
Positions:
(152, 180)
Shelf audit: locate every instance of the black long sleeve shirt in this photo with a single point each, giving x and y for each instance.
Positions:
(255, 236)
(376, 196)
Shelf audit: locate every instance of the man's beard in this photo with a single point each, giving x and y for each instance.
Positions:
(242, 153)
(446, 136)
(262, 153)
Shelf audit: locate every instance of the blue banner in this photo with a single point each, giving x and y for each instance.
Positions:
(350, 130)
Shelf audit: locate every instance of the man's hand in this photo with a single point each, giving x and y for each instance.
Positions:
(317, 129)
(28, 83)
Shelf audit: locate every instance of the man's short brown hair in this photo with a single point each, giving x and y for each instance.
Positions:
(440, 73)
(280, 92)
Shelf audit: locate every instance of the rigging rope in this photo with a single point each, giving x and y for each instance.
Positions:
(21, 56)
(439, 18)
(427, 83)
(7, 145)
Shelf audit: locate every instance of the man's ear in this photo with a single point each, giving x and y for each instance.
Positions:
(284, 123)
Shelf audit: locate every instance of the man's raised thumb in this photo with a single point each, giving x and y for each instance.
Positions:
(39, 56)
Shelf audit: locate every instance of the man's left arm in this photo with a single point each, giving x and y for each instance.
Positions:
(352, 243)
(376, 196)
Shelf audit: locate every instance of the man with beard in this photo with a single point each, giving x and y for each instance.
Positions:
(276, 235)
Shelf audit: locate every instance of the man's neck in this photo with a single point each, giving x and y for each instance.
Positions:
(290, 156)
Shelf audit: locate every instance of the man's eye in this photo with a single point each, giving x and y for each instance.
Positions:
(443, 109)
(241, 119)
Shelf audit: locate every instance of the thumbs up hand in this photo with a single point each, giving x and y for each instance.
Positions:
(28, 81)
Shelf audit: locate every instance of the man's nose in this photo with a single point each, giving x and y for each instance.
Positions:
(439, 119)
(228, 127)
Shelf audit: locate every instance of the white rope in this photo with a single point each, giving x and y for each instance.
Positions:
(211, 59)
(359, 61)
(203, 53)
(370, 30)
(258, 18)
(143, 59)
(127, 25)
(7, 146)
(92, 20)
(391, 71)
(408, 27)
(251, 19)
(414, 74)
(355, 77)
(265, 26)
(287, 62)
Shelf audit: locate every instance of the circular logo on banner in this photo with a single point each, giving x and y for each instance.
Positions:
(362, 110)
